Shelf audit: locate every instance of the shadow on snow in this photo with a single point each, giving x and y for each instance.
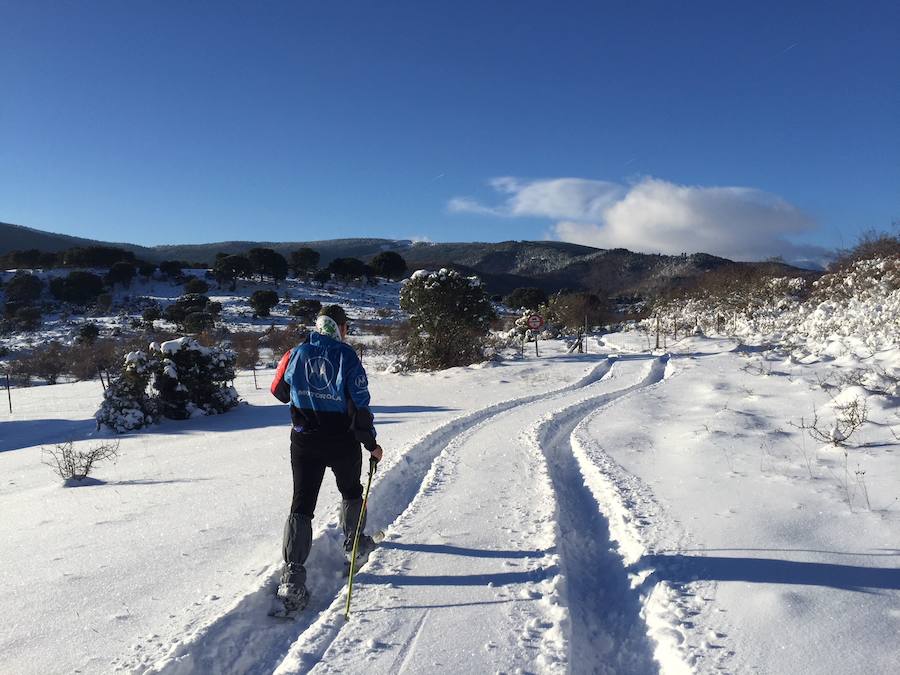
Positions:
(681, 568)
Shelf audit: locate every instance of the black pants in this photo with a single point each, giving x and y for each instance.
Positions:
(311, 455)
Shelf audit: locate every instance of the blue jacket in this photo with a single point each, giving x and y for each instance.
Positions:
(328, 389)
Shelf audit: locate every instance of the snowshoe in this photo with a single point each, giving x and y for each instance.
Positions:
(290, 600)
(364, 549)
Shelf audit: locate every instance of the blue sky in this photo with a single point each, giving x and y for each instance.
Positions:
(748, 129)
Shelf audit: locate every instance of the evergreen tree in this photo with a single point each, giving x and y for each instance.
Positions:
(347, 269)
(526, 298)
(77, 287)
(121, 273)
(231, 268)
(126, 405)
(450, 316)
(267, 262)
(304, 261)
(22, 290)
(389, 264)
(191, 379)
(262, 302)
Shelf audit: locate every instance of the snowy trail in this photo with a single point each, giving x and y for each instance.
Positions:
(607, 632)
(238, 641)
(441, 595)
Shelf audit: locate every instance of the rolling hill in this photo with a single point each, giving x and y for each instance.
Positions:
(503, 266)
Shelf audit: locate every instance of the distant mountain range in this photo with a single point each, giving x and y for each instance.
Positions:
(503, 266)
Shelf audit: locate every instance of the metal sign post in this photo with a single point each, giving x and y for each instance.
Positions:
(535, 322)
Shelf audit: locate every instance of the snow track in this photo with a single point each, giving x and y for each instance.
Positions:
(608, 634)
(442, 593)
(243, 640)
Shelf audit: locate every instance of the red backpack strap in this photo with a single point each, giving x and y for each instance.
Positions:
(280, 388)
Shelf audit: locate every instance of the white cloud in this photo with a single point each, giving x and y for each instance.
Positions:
(555, 198)
(656, 216)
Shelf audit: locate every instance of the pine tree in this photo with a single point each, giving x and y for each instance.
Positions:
(450, 316)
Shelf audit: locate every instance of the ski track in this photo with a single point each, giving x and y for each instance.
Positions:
(606, 630)
(244, 640)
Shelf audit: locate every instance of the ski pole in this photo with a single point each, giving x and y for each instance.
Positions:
(362, 516)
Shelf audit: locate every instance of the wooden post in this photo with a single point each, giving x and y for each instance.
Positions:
(675, 324)
(8, 394)
(657, 331)
(584, 347)
(255, 384)
(100, 373)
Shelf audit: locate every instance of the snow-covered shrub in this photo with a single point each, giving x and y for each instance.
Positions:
(74, 465)
(563, 314)
(521, 332)
(192, 379)
(126, 405)
(855, 306)
(861, 302)
(189, 380)
(450, 316)
(729, 303)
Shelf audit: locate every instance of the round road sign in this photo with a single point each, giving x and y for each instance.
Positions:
(535, 321)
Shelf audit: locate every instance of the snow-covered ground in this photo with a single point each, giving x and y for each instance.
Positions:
(620, 511)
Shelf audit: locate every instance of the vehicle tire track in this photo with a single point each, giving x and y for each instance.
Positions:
(311, 648)
(243, 640)
(607, 632)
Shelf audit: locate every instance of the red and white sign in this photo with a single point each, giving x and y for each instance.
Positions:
(535, 321)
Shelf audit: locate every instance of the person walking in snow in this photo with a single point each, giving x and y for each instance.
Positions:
(326, 385)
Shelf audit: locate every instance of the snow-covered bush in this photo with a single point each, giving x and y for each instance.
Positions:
(855, 306)
(192, 379)
(126, 405)
(189, 380)
(861, 301)
(450, 316)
